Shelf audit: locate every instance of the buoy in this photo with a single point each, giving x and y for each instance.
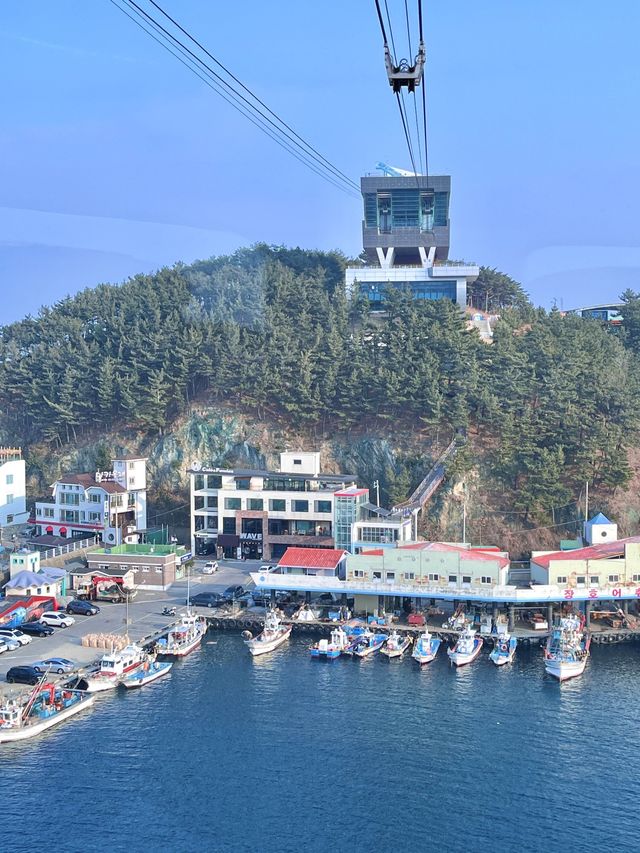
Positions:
(247, 635)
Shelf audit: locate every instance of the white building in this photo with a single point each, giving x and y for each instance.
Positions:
(13, 501)
(259, 513)
(599, 529)
(110, 504)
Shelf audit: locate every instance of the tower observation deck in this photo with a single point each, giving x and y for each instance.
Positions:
(405, 236)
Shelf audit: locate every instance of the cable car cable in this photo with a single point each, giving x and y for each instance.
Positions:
(336, 173)
(250, 92)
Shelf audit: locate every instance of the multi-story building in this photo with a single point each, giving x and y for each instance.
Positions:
(110, 504)
(405, 235)
(258, 513)
(13, 504)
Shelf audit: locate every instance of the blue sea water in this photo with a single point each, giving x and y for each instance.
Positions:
(283, 754)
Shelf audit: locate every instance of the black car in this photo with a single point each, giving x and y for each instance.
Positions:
(36, 629)
(82, 608)
(233, 592)
(23, 675)
(206, 599)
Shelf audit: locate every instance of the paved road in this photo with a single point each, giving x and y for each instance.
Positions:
(145, 617)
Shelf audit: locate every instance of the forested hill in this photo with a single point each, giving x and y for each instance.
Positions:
(552, 403)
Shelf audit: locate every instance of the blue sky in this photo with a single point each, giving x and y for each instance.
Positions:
(115, 159)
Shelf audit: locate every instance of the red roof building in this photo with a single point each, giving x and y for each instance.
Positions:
(311, 561)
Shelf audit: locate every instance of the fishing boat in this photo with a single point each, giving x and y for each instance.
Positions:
(46, 706)
(567, 649)
(466, 649)
(273, 635)
(113, 667)
(426, 648)
(396, 645)
(150, 670)
(504, 649)
(366, 644)
(331, 648)
(185, 636)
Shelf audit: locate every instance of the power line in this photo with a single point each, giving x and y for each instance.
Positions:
(313, 161)
(424, 96)
(407, 136)
(253, 95)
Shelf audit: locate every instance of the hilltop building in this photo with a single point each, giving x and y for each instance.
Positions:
(13, 502)
(110, 504)
(405, 236)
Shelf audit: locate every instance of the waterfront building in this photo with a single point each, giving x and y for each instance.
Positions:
(405, 236)
(151, 567)
(110, 504)
(259, 513)
(611, 564)
(313, 562)
(13, 501)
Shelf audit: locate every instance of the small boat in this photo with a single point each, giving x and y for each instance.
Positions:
(366, 644)
(113, 667)
(504, 649)
(567, 649)
(466, 649)
(331, 648)
(46, 706)
(396, 645)
(185, 636)
(426, 648)
(273, 635)
(150, 670)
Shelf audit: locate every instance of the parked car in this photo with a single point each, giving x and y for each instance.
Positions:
(36, 629)
(15, 635)
(22, 675)
(4, 645)
(232, 592)
(57, 619)
(265, 568)
(58, 665)
(206, 599)
(210, 568)
(82, 608)
(10, 645)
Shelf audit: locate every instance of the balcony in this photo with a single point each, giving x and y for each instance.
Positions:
(301, 539)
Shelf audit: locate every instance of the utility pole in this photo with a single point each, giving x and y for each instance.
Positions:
(464, 514)
(376, 484)
(586, 501)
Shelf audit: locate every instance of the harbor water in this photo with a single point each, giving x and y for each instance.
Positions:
(283, 753)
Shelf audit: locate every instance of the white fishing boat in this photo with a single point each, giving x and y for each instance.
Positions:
(504, 649)
(567, 649)
(148, 672)
(273, 635)
(466, 649)
(365, 644)
(331, 648)
(396, 645)
(426, 648)
(185, 636)
(46, 706)
(113, 667)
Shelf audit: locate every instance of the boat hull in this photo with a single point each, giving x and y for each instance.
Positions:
(426, 656)
(564, 670)
(261, 647)
(329, 654)
(395, 653)
(501, 657)
(139, 679)
(37, 727)
(183, 651)
(368, 650)
(464, 658)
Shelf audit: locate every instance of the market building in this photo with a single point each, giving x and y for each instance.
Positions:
(110, 504)
(150, 567)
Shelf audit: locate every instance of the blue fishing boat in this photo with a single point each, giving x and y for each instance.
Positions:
(426, 648)
(366, 643)
(504, 649)
(150, 670)
(331, 648)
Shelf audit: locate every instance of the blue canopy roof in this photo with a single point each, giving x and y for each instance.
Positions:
(599, 519)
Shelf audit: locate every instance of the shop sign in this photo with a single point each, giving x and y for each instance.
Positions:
(251, 537)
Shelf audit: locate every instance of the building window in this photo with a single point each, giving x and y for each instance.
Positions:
(297, 461)
(47, 513)
(593, 580)
(277, 505)
(614, 578)
(243, 483)
(9, 499)
(232, 503)
(358, 573)
(9, 519)
(323, 506)
(214, 481)
(581, 580)
(255, 504)
(466, 578)
(228, 525)
(636, 578)
(377, 576)
(9, 480)
(300, 506)
(158, 571)
(561, 579)
(410, 576)
(95, 498)
(198, 482)
(452, 578)
(486, 579)
(391, 576)
(145, 570)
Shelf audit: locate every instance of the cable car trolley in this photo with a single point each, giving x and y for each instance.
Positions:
(405, 74)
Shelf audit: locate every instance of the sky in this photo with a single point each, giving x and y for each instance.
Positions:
(115, 159)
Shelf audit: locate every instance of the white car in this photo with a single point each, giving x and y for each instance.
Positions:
(12, 635)
(210, 568)
(57, 619)
(4, 645)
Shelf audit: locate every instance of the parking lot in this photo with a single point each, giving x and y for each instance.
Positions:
(144, 614)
